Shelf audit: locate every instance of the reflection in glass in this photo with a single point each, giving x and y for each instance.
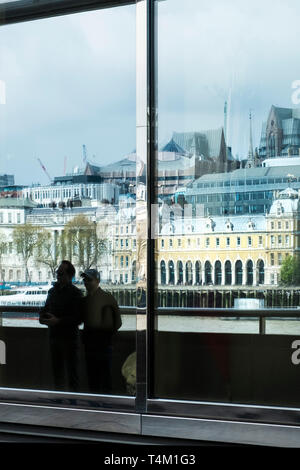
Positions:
(229, 156)
(68, 190)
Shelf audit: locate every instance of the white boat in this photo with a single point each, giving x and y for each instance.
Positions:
(29, 296)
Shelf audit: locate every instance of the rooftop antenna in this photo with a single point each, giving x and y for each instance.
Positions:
(84, 152)
(250, 162)
(225, 121)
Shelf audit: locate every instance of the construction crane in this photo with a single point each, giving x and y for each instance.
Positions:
(45, 170)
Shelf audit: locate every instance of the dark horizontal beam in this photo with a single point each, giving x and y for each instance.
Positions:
(284, 312)
(36, 309)
(178, 311)
(27, 10)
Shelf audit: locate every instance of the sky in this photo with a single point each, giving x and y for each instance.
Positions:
(240, 51)
(70, 80)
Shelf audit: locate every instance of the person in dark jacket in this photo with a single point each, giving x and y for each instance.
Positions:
(101, 320)
(62, 314)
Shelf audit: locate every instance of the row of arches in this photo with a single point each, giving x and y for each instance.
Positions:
(184, 273)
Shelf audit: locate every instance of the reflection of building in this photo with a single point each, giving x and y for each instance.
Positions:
(124, 254)
(122, 172)
(280, 135)
(228, 250)
(124, 243)
(16, 212)
(8, 187)
(243, 191)
(209, 146)
(212, 251)
(282, 232)
(231, 251)
(188, 156)
(7, 180)
(176, 169)
(63, 192)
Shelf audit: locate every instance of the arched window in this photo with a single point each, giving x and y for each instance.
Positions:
(249, 273)
(180, 272)
(238, 273)
(189, 273)
(228, 273)
(272, 149)
(218, 273)
(163, 272)
(207, 273)
(171, 272)
(198, 272)
(133, 271)
(261, 272)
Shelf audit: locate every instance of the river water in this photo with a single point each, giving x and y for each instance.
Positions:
(190, 324)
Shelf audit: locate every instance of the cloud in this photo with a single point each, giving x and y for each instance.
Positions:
(209, 51)
(68, 82)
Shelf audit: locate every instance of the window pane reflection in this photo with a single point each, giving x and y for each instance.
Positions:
(67, 192)
(228, 200)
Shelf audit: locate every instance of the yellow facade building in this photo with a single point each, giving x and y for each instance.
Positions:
(235, 250)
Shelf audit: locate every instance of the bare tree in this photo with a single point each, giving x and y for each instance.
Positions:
(26, 238)
(49, 250)
(81, 244)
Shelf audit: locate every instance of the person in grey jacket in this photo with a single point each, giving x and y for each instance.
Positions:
(101, 320)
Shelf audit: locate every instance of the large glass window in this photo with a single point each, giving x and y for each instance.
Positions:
(68, 192)
(228, 100)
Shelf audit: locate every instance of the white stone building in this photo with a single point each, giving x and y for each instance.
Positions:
(15, 212)
(58, 193)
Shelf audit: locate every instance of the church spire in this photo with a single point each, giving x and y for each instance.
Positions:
(250, 161)
(225, 121)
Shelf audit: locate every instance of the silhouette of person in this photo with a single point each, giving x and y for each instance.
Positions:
(62, 314)
(101, 319)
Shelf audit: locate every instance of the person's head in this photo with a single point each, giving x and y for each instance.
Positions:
(65, 272)
(91, 279)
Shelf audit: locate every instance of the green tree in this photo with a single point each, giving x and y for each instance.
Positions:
(26, 238)
(290, 271)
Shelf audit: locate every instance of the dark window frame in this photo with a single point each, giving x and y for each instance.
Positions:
(25, 11)
(28, 10)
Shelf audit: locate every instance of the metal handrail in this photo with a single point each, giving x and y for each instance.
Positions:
(262, 314)
(36, 309)
(198, 311)
(230, 312)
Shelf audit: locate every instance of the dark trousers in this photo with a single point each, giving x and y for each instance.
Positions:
(99, 367)
(65, 363)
